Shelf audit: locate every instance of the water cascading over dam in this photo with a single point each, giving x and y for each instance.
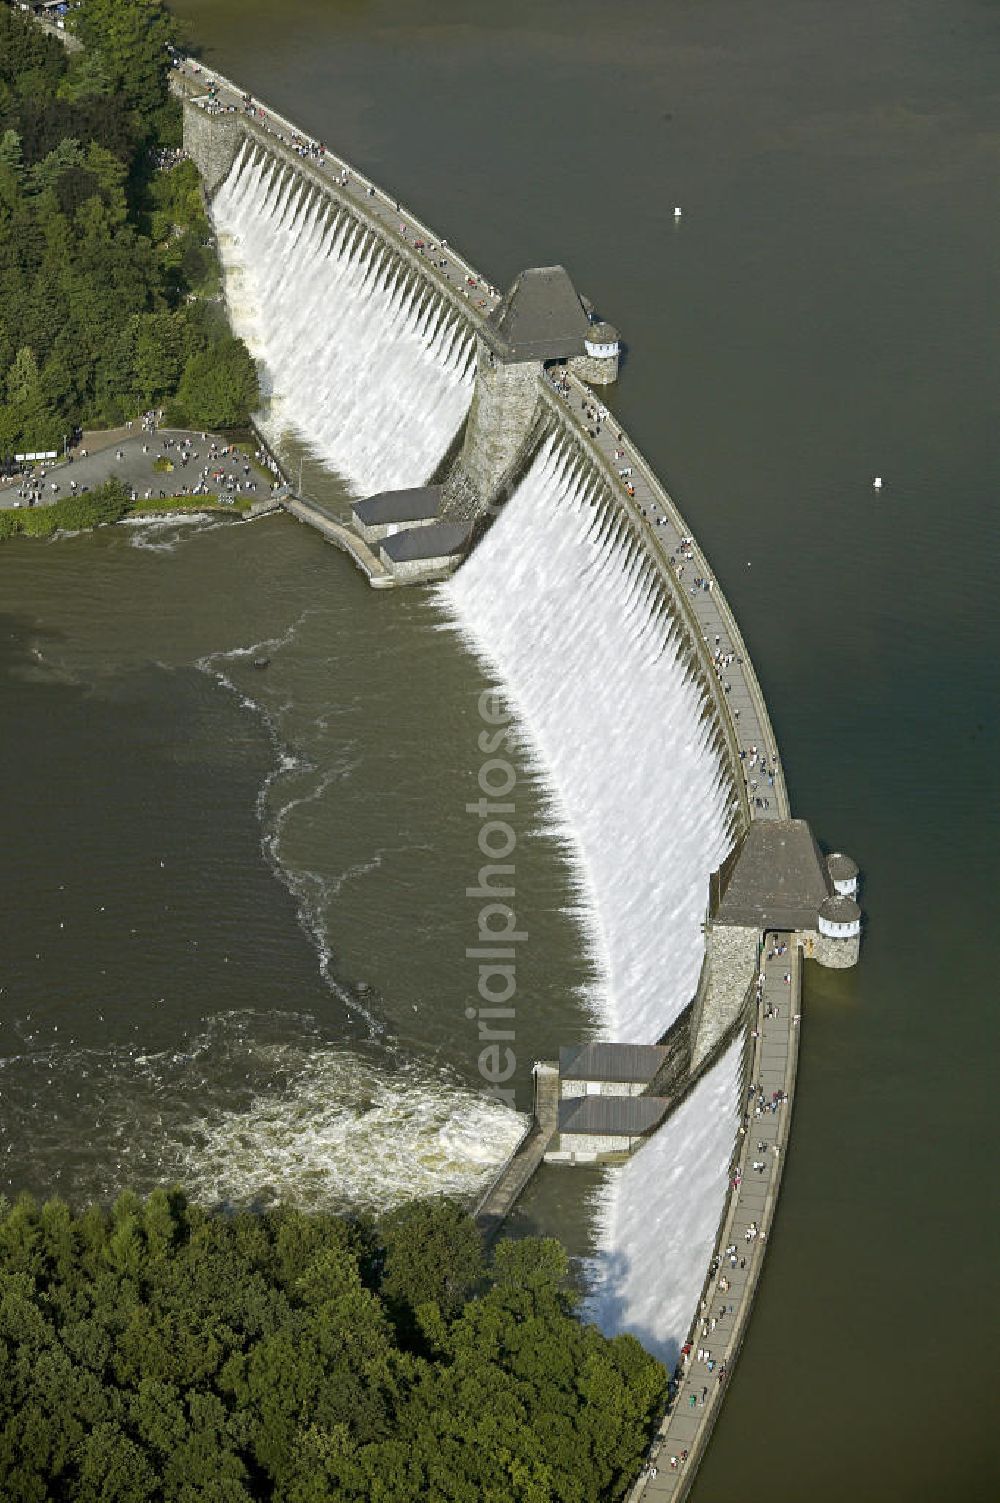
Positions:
(561, 601)
(360, 357)
(667, 793)
(660, 1211)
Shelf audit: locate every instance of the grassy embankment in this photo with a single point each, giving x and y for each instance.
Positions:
(103, 506)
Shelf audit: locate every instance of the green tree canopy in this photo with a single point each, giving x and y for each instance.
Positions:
(130, 37)
(107, 265)
(432, 1254)
(31, 62)
(219, 387)
(154, 1352)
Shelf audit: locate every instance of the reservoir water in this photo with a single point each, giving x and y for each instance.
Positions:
(204, 861)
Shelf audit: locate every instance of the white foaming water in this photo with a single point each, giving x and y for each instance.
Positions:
(256, 1108)
(359, 356)
(163, 532)
(347, 1134)
(658, 1216)
(560, 599)
(276, 801)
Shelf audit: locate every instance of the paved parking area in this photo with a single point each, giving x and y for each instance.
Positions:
(131, 459)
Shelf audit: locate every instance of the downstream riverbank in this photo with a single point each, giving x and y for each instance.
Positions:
(134, 477)
(814, 319)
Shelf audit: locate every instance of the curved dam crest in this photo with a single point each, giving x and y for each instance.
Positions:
(565, 564)
(379, 391)
(578, 634)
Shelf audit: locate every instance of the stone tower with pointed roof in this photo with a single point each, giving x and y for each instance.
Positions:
(776, 880)
(541, 319)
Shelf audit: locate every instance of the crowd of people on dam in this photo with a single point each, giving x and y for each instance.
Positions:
(214, 104)
(721, 658)
(754, 761)
(302, 146)
(311, 150)
(651, 1470)
(595, 415)
(757, 772)
(762, 1104)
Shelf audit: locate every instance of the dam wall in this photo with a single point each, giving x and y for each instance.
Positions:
(561, 603)
(513, 408)
(583, 588)
(216, 126)
(565, 411)
(628, 670)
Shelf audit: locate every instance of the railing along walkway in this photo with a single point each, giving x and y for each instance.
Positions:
(720, 1324)
(736, 690)
(371, 201)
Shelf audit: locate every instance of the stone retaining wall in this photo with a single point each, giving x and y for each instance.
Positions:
(501, 417)
(731, 962)
(212, 142)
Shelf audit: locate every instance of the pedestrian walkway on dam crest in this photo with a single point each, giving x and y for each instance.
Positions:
(724, 1309)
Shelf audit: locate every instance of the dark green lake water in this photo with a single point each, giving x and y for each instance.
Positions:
(825, 310)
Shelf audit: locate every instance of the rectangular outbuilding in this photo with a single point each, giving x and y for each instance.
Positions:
(381, 516)
(608, 1069)
(592, 1127)
(424, 552)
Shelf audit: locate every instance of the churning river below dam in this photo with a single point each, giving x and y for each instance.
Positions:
(237, 951)
(234, 898)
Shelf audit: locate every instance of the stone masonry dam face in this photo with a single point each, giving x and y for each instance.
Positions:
(562, 603)
(369, 351)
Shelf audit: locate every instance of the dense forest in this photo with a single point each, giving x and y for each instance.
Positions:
(109, 282)
(156, 1351)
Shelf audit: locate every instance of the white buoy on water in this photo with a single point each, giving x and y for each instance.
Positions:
(677, 211)
(877, 483)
